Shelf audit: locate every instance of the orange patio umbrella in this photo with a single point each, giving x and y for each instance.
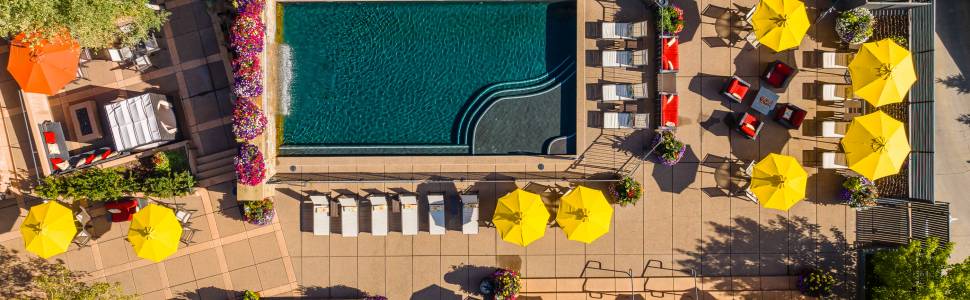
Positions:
(46, 68)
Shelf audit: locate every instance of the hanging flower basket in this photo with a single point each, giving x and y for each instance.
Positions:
(250, 167)
(670, 150)
(855, 26)
(258, 212)
(671, 20)
(248, 121)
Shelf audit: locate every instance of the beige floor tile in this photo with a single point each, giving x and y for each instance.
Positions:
(156, 295)
(205, 263)
(717, 59)
(398, 244)
(545, 245)
(399, 275)
(454, 243)
(114, 252)
(124, 279)
(186, 290)
(229, 222)
(537, 266)
(343, 246)
(454, 273)
(369, 245)
(272, 274)
(265, 247)
(629, 222)
(773, 235)
(314, 272)
(311, 245)
(343, 272)
(179, 270)
(246, 279)
(483, 243)
(605, 244)
(80, 259)
(238, 254)
(374, 271)
(426, 244)
(426, 277)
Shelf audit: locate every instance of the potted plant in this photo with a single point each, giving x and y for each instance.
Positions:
(248, 120)
(855, 26)
(859, 192)
(258, 212)
(671, 20)
(250, 167)
(816, 283)
(627, 191)
(669, 150)
(507, 284)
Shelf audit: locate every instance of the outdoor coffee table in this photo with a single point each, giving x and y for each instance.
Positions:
(764, 101)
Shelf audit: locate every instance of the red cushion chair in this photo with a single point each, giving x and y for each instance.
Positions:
(122, 211)
(779, 74)
(750, 126)
(736, 89)
(790, 116)
(669, 54)
(50, 137)
(669, 108)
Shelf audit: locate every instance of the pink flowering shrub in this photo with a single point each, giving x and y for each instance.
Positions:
(250, 168)
(247, 75)
(246, 34)
(248, 120)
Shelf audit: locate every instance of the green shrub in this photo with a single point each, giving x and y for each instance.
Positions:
(95, 184)
(172, 160)
(627, 191)
(165, 185)
(250, 295)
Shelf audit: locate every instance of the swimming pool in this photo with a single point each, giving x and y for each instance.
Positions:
(420, 78)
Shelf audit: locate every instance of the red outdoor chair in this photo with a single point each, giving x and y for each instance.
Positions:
(669, 54)
(669, 108)
(736, 89)
(122, 211)
(750, 126)
(790, 116)
(779, 74)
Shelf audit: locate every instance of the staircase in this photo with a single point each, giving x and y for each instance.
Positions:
(215, 168)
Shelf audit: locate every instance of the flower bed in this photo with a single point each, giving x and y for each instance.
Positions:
(859, 192)
(250, 167)
(258, 212)
(855, 26)
(248, 120)
(670, 150)
(507, 283)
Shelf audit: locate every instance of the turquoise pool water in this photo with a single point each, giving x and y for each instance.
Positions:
(419, 77)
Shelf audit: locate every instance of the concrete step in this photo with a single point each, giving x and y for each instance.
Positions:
(217, 179)
(226, 166)
(202, 160)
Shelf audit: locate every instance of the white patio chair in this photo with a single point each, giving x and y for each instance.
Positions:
(833, 160)
(835, 60)
(436, 214)
(409, 214)
(830, 129)
(624, 58)
(836, 92)
(469, 214)
(321, 214)
(624, 92)
(348, 215)
(379, 214)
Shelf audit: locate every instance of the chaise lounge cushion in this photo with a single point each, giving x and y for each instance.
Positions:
(669, 108)
(778, 74)
(669, 54)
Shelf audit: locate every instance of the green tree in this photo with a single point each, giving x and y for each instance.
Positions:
(94, 23)
(37, 278)
(920, 271)
(65, 284)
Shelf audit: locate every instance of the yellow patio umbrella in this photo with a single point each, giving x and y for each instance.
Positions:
(520, 217)
(584, 214)
(876, 145)
(48, 229)
(778, 181)
(882, 72)
(155, 232)
(780, 24)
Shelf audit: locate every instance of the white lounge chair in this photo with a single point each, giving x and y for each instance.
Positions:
(624, 58)
(836, 92)
(624, 120)
(627, 31)
(379, 214)
(436, 214)
(624, 91)
(348, 215)
(832, 160)
(830, 129)
(321, 214)
(469, 214)
(835, 60)
(409, 214)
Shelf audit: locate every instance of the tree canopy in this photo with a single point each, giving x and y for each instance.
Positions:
(920, 271)
(93, 23)
(36, 278)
